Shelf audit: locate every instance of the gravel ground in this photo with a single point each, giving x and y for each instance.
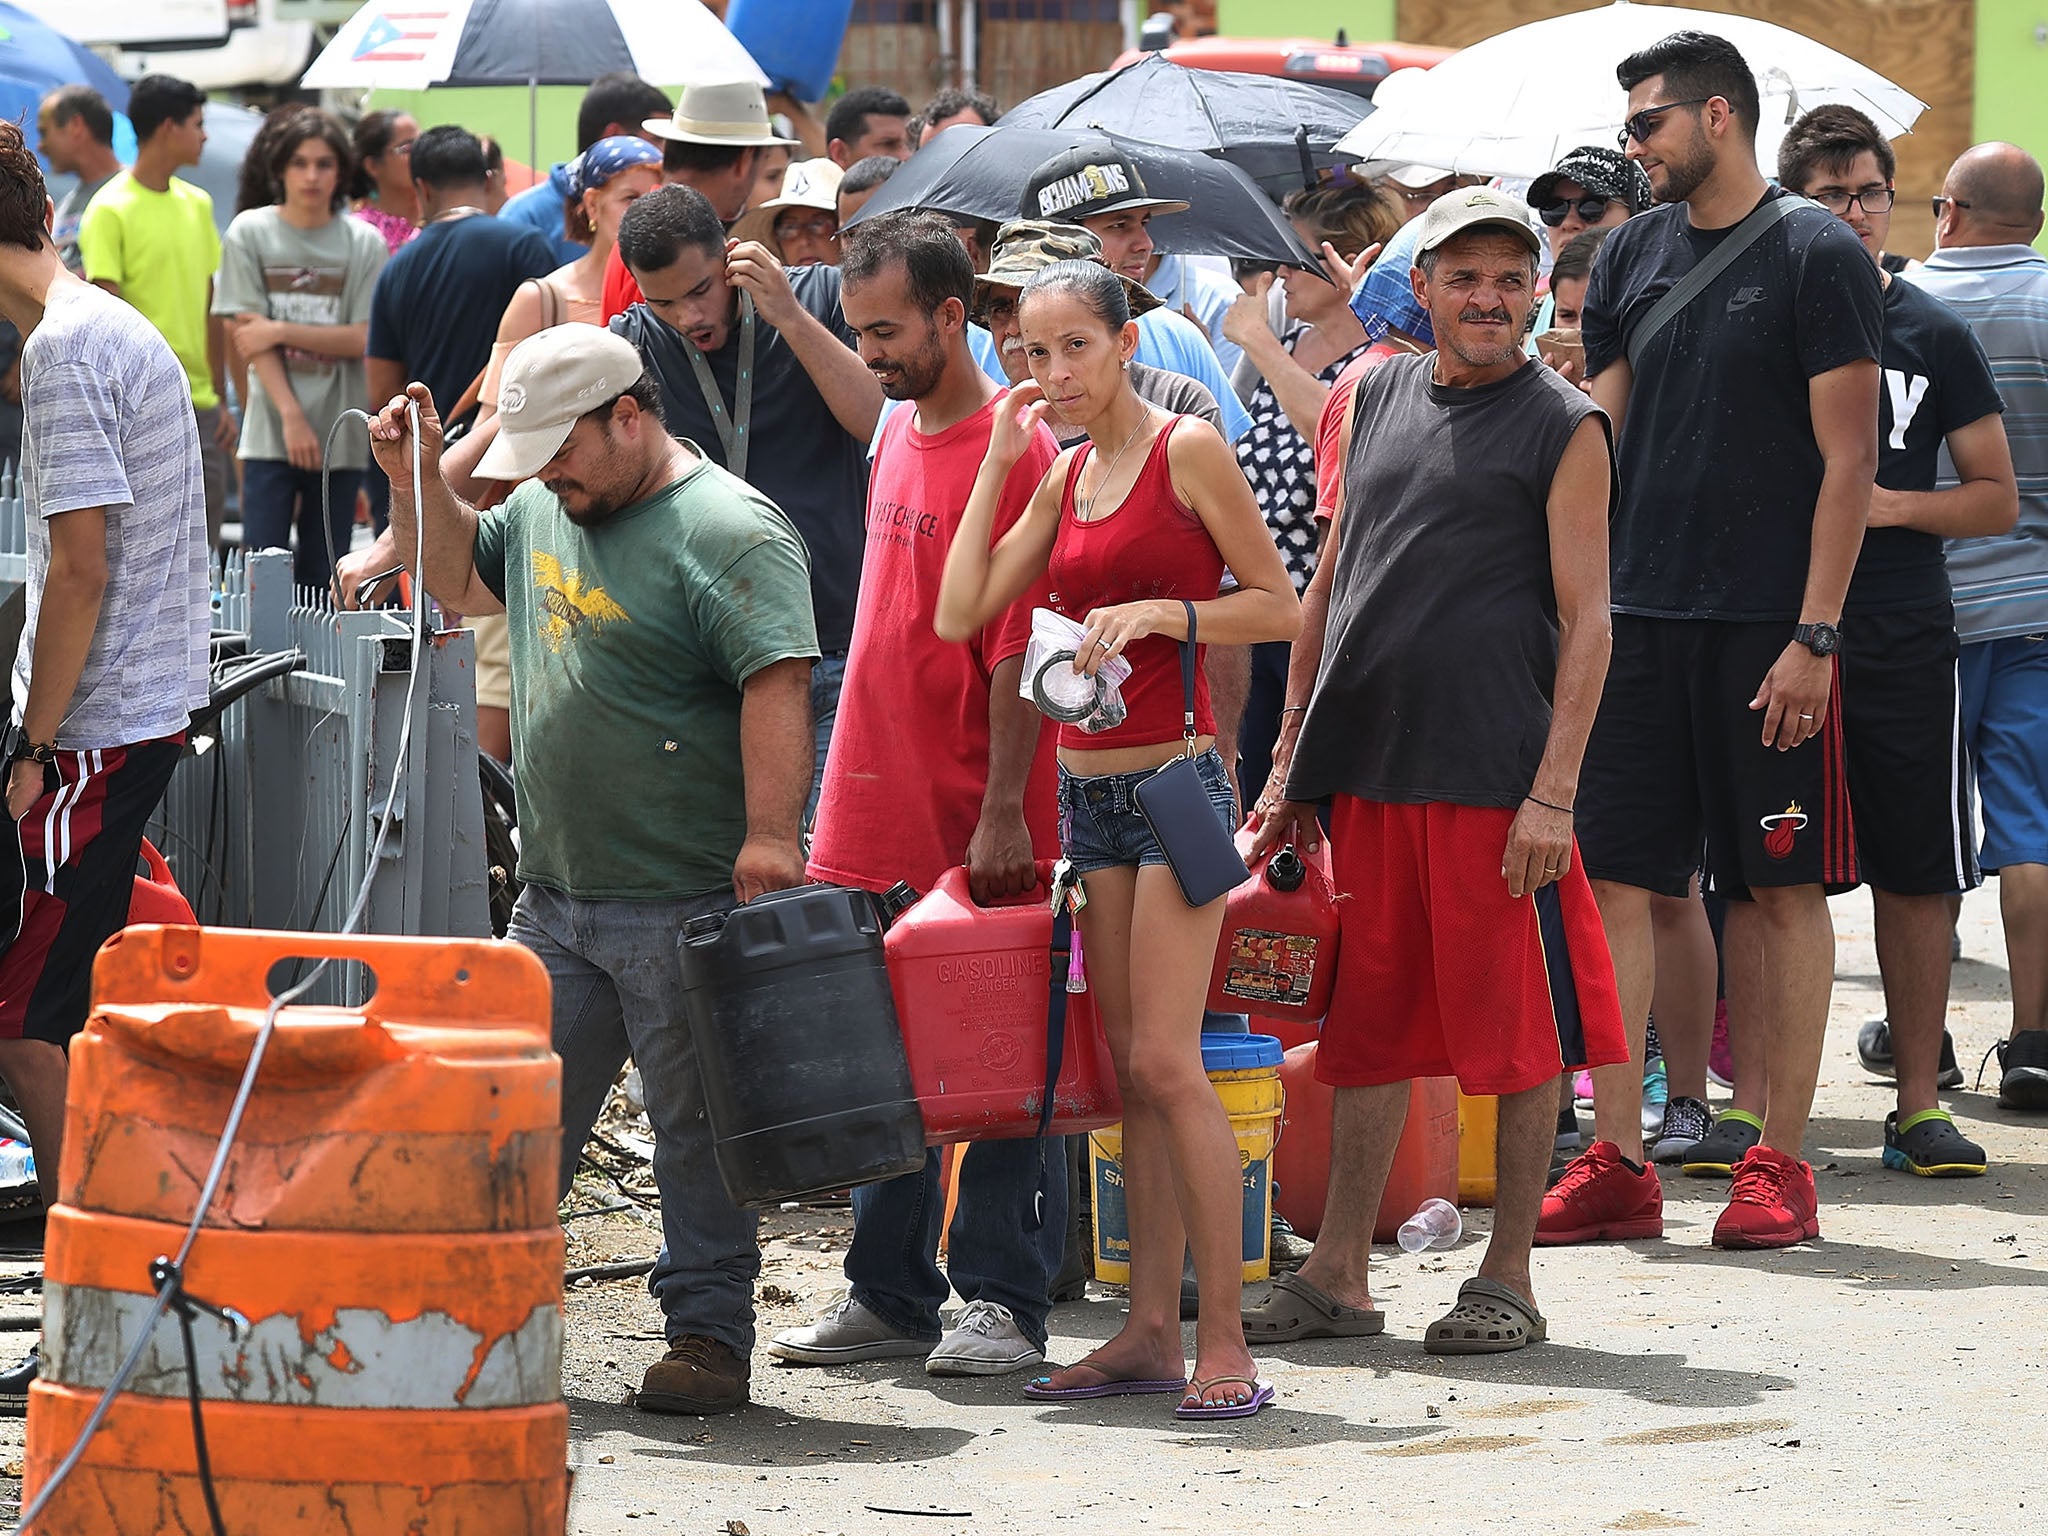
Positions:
(1844, 1384)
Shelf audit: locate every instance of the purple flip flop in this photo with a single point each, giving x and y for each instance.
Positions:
(1262, 1394)
(1109, 1386)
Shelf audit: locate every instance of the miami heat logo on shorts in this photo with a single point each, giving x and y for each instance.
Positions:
(1781, 829)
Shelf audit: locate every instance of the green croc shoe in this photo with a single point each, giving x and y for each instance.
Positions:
(1929, 1145)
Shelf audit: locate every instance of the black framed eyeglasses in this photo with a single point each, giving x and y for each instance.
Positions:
(1591, 208)
(1870, 200)
(1644, 123)
(1941, 202)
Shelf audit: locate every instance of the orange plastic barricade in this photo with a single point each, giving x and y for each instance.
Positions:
(386, 1228)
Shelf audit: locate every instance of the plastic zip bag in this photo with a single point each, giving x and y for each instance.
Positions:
(1060, 693)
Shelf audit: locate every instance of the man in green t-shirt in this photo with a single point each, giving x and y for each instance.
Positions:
(149, 237)
(662, 644)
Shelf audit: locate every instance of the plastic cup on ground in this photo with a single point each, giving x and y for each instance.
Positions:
(1436, 1225)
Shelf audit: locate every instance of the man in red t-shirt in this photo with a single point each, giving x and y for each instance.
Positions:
(936, 760)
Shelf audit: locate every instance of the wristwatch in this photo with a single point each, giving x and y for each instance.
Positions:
(15, 746)
(1821, 639)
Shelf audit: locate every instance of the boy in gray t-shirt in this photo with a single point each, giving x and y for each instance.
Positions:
(296, 279)
(114, 656)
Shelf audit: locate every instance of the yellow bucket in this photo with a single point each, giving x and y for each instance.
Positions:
(1478, 1129)
(1246, 1072)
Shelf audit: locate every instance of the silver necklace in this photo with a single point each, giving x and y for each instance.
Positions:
(1088, 508)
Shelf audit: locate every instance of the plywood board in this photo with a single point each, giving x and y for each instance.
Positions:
(1928, 46)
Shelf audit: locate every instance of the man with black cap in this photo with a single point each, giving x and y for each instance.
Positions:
(661, 635)
(1447, 700)
(1102, 191)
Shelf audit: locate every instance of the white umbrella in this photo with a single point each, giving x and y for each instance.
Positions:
(1513, 105)
(409, 45)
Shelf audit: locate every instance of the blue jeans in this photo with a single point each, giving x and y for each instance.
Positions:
(992, 1255)
(1102, 828)
(618, 991)
(826, 678)
(276, 498)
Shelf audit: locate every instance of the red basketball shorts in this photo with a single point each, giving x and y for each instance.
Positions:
(1441, 973)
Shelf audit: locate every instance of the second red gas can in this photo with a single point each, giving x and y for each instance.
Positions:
(1277, 957)
(971, 985)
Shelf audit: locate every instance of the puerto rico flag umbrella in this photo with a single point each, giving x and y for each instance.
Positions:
(409, 45)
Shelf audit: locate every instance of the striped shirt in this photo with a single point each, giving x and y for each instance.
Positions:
(2001, 583)
(110, 425)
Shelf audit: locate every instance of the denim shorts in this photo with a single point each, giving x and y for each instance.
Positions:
(1101, 827)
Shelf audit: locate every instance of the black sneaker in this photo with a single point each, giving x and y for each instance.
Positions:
(1931, 1147)
(1569, 1140)
(1716, 1153)
(2023, 1070)
(14, 1384)
(1686, 1123)
(1874, 1050)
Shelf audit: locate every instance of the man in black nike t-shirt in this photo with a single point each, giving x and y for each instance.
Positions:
(1748, 440)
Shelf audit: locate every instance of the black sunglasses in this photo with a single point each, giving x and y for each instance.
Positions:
(1644, 123)
(1591, 208)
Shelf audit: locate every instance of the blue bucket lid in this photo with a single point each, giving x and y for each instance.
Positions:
(1240, 1053)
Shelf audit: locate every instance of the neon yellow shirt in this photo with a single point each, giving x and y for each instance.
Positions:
(161, 250)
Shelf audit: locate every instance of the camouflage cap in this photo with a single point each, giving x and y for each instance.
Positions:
(1026, 247)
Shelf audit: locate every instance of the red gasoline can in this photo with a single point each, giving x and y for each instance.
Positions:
(156, 897)
(1277, 957)
(971, 986)
(1425, 1161)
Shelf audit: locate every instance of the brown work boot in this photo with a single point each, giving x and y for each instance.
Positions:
(697, 1375)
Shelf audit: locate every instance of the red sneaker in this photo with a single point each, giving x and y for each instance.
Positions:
(1599, 1198)
(1773, 1203)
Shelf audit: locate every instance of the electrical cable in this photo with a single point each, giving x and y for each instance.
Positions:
(168, 1273)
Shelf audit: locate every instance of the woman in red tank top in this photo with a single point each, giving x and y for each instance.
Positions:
(1148, 512)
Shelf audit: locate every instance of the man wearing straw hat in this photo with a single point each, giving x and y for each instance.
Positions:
(713, 142)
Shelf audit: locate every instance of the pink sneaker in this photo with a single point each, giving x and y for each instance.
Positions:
(1582, 1090)
(1720, 1059)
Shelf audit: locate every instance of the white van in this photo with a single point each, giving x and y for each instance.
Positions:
(260, 50)
(158, 24)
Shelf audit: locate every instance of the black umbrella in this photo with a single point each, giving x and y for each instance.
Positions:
(980, 173)
(1279, 130)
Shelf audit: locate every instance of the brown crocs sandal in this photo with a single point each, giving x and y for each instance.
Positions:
(1489, 1319)
(1297, 1310)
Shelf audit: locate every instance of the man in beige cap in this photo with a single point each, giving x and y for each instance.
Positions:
(1461, 607)
(662, 644)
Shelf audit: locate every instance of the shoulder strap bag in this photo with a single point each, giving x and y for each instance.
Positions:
(1718, 260)
(1176, 806)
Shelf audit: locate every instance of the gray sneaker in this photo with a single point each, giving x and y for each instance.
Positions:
(1686, 1123)
(985, 1341)
(847, 1333)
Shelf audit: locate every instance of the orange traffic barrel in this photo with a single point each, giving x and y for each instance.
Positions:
(384, 1239)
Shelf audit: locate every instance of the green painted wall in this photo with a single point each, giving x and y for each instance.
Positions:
(2012, 77)
(500, 111)
(1367, 21)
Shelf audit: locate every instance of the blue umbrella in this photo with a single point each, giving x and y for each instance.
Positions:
(35, 58)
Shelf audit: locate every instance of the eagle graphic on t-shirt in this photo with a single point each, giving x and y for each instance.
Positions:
(567, 607)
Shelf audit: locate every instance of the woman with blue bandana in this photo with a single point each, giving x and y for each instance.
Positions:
(604, 181)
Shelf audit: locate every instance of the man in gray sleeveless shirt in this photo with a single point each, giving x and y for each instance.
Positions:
(1456, 633)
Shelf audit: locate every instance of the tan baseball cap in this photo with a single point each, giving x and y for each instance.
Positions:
(728, 113)
(1476, 208)
(551, 380)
